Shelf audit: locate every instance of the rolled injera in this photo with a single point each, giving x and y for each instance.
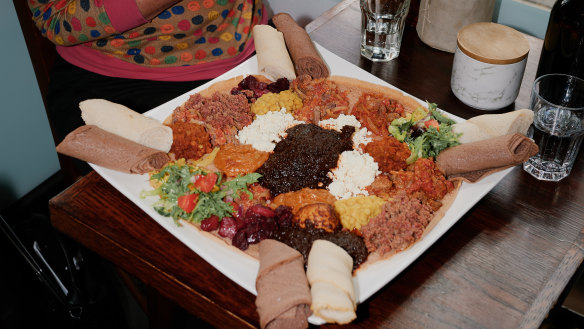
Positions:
(273, 58)
(283, 299)
(306, 58)
(123, 121)
(330, 276)
(93, 144)
(473, 161)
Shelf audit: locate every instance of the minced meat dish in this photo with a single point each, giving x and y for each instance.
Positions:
(401, 223)
(223, 115)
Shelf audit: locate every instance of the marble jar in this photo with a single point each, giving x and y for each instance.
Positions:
(440, 20)
(489, 62)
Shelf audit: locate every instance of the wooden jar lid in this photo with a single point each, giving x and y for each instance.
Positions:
(493, 43)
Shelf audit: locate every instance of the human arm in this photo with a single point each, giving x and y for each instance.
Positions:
(151, 8)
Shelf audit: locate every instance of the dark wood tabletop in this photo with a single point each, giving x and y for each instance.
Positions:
(504, 264)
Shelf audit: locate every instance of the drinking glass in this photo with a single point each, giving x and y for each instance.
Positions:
(558, 125)
(382, 27)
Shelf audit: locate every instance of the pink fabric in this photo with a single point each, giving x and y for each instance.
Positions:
(94, 61)
(123, 14)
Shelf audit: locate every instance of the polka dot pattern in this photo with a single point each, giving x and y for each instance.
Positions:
(188, 33)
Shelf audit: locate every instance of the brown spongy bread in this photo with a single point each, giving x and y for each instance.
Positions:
(355, 88)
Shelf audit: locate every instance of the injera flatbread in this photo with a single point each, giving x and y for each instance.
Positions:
(306, 58)
(122, 121)
(272, 55)
(93, 144)
(487, 126)
(283, 295)
(329, 273)
(473, 161)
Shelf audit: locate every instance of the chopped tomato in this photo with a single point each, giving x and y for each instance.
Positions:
(433, 123)
(206, 183)
(236, 207)
(188, 202)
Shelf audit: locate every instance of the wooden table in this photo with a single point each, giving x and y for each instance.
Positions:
(503, 265)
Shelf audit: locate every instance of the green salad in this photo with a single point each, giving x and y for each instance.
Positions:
(427, 133)
(190, 193)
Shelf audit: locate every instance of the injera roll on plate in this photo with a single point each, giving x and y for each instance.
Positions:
(283, 299)
(93, 144)
(306, 58)
(473, 161)
(329, 273)
(122, 121)
(272, 55)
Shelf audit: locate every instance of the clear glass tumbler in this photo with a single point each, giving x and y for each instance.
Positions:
(382, 27)
(558, 125)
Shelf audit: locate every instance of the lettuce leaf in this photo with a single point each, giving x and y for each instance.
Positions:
(432, 141)
(400, 128)
(175, 180)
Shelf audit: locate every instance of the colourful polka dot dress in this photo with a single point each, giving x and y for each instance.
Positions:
(191, 32)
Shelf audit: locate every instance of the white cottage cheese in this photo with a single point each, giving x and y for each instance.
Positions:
(361, 136)
(355, 171)
(267, 130)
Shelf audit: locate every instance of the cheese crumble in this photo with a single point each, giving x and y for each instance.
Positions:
(355, 171)
(267, 130)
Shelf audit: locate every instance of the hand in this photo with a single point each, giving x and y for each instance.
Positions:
(151, 8)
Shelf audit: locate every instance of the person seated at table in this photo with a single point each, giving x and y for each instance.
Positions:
(139, 53)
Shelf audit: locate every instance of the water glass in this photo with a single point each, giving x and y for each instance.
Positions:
(558, 125)
(382, 27)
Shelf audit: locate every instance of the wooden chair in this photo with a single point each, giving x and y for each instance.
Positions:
(42, 55)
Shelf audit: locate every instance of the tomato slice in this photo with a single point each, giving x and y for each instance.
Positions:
(235, 213)
(206, 183)
(188, 202)
(433, 123)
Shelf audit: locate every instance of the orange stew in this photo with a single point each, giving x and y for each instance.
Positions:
(389, 153)
(376, 112)
(189, 140)
(303, 197)
(423, 177)
(321, 99)
(239, 159)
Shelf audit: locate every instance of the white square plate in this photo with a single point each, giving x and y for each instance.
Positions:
(242, 268)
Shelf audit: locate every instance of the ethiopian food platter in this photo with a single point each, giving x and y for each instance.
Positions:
(314, 192)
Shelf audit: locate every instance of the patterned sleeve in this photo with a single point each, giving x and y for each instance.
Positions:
(69, 22)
